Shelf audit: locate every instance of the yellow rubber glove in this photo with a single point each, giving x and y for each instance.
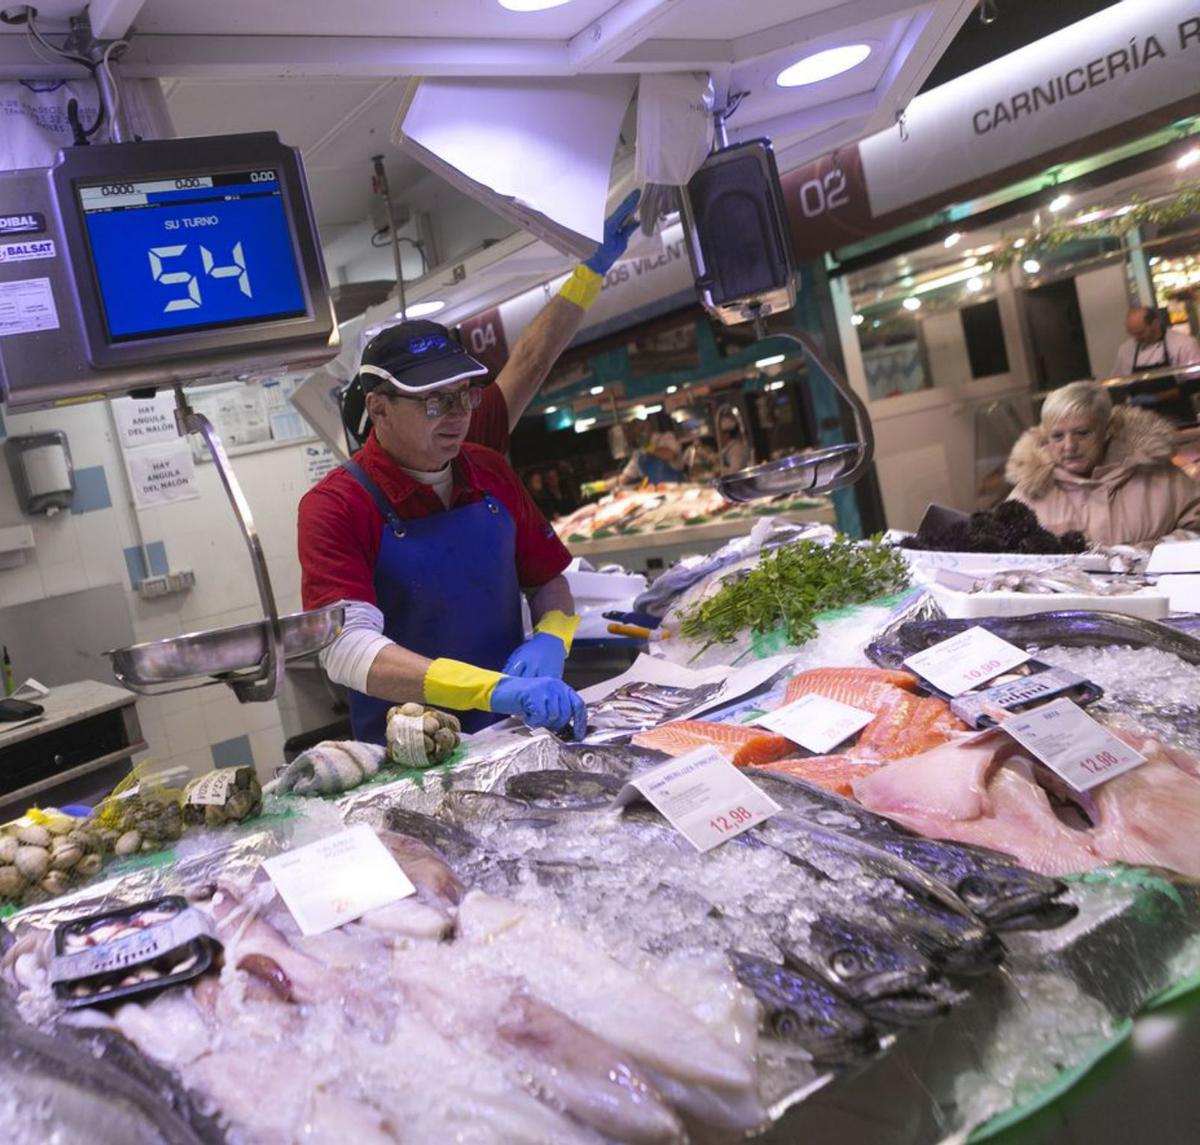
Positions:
(453, 684)
(583, 287)
(558, 623)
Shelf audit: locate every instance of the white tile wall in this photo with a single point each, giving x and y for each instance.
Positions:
(76, 551)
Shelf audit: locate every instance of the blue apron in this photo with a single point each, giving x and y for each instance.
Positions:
(447, 587)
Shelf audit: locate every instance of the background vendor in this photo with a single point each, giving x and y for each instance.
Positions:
(430, 542)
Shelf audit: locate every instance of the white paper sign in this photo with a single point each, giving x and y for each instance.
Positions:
(703, 796)
(1072, 744)
(318, 460)
(162, 474)
(336, 880)
(965, 661)
(816, 722)
(27, 305)
(145, 421)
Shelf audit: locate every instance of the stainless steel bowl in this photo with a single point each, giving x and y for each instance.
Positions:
(223, 654)
(812, 472)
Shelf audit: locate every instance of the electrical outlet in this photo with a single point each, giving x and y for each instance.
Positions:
(178, 580)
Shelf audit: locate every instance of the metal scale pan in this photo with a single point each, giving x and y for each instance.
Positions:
(814, 471)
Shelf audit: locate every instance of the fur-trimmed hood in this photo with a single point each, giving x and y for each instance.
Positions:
(1138, 439)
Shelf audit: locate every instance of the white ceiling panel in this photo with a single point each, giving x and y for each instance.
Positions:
(426, 19)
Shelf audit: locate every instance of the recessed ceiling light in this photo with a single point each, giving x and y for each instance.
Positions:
(1031, 266)
(857, 320)
(773, 360)
(551, 409)
(672, 389)
(823, 65)
(1060, 203)
(596, 390)
(952, 239)
(974, 285)
(424, 309)
(911, 304)
(531, 5)
(1018, 244)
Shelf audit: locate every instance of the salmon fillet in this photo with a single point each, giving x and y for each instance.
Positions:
(741, 744)
(907, 725)
(834, 773)
(864, 688)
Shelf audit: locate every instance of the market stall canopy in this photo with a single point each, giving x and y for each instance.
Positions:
(330, 78)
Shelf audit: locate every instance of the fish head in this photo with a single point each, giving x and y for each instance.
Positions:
(1000, 894)
(866, 964)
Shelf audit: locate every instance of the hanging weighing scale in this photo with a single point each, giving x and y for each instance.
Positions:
(129, 266)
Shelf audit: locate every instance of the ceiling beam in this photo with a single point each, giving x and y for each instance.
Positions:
(112, 19)
(383, 57)
(622, 27)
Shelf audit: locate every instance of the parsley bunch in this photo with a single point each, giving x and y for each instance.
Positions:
(792, 585)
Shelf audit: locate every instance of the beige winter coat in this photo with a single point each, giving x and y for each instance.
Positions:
(1136, 495)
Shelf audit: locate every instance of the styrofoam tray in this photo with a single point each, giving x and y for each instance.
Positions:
(984, 564)
(1147, 604)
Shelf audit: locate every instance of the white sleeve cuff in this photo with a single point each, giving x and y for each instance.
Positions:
(349, 658)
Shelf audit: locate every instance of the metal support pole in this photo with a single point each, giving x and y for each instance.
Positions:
(381, 184)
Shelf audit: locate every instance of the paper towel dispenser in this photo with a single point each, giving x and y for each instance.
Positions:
(42, 472)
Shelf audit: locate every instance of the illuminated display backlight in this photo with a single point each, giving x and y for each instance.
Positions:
(192, 253)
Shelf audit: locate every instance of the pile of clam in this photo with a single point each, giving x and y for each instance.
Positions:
(43, 860)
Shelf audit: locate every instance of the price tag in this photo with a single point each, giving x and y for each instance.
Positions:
(1072, 744)
(816, 722)
(338, 879)
(965, 661)
(703, 796)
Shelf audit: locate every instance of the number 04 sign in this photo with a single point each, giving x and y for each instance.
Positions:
(703, 796)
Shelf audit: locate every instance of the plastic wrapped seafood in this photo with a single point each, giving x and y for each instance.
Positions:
(226, 795)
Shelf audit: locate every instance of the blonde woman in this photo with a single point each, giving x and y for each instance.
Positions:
(1102, 470)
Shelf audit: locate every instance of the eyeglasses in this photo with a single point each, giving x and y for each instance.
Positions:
(440, 403)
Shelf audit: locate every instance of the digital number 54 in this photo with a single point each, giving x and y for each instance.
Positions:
(193, 301)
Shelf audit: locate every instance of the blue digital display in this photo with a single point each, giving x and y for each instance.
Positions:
(205, 251)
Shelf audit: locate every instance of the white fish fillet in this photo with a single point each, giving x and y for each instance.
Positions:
(954, 798)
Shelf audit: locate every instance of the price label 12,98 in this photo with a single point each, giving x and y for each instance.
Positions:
(703, 796)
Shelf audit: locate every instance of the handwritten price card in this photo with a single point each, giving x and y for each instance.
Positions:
(1072, 744)
(965, 661)
(703, 796)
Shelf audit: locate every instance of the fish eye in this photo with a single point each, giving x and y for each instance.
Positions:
(845, 963)
(975, 889)
(785, 1024)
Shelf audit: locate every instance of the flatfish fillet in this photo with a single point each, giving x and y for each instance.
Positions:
(834, 773)
(967, 794)
(742, 745)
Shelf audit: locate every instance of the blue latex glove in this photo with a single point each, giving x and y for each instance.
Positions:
(617, 229)
(541, 702)
(543, 654)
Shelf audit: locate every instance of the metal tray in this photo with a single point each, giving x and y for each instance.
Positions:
(811, 472)
(223, 653)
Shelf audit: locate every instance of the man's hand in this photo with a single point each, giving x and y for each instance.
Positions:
(617, 229)
(543, 654)
(541, 702)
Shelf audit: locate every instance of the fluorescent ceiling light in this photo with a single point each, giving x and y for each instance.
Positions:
(1060, 203)
(584, 424)
(424, 309)
(975, 285)
(1031, 266)
(653, 409)
(595, 390)
(531, 5)
(1188, 159)
(773, 360)
(551, 409)
(857, 320)
(775, 385)
(911, 304)
(952, 240)
(823, 65)
(672, 389)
